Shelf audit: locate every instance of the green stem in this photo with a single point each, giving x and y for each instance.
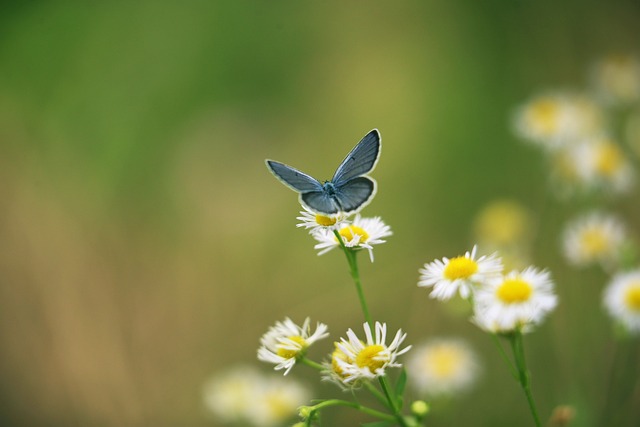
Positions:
(517, 346)
(512, 369)
(361, 408)
(392, 401)
(311, 363)
(376, 393)
(355, 275)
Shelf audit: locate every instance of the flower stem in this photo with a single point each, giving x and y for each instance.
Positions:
(311, 363)
(512, 369)
(392, 401)
(359, 407)
(355, 275)
(518, 353)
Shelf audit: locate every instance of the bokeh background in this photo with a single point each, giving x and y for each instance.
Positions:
(144, 246)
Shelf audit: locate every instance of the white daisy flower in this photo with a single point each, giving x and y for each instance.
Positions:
(555, 119)
(286, 342)
(369, 359)
(442, 367)
(600, 163)
(278, 402)
(595, 237)
(622, 299)
(314, 221)
(333, 371)
(519, 300)
(592, 164)
(230, 396)
(362, 233)
(459, 274)
(617, 79)
(244, 396)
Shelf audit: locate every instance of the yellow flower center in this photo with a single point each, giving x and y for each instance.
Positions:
(544, 113)
(289, 353)
(609, 159)
(594, 242)
(325, 221)
(443, 361)
(502, 222)
(514, 291)
(335, 366)
(632, 297)
(460, 268)
(368, 358)
(350, 231)
(279, 404)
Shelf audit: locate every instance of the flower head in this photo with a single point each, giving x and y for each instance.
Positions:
(243, 395)
(556, 119)
(600, 163)
(370, 358)
(286, 342)
(617, 79)
(278, 402)
(333, 370)
(362, 233)
(592, 164)
(229, 396)
(622, 299)
(518, 300)
(442, 367)
(503, 223)
(315, 221)
(595, 237)
(458, 274)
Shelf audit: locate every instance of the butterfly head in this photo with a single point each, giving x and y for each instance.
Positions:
(329, 188)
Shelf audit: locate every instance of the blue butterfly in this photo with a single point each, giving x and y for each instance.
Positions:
(348, 191)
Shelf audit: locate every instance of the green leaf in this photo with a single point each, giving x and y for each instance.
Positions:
(402, 382)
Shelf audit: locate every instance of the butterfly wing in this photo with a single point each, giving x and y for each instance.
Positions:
(355, 194)
(320, 202)
(361, 160)
(293, 178)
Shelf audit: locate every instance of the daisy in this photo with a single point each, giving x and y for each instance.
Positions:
(594, 237)
(600, 163)
(622, 299)
(363, 233)
(369, 359)
(314, 221)
(278, 402)
(556, 119)
(518, 300)
(333, 371)
(230, 395)
(503, 223)
(617, 79)
(286, 342)
(458, 274)
(442, 367)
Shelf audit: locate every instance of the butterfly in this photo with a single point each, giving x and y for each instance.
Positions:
(348, 191)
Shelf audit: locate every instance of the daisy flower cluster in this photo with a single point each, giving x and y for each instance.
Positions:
(353, 360)
(587, 135)
(502, 302)
(442, 367)
(356, 233)
(591, 138)
(245, 396)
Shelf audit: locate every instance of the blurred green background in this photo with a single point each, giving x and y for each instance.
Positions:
(144, 246)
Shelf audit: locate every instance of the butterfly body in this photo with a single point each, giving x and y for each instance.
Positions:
(348, 191)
